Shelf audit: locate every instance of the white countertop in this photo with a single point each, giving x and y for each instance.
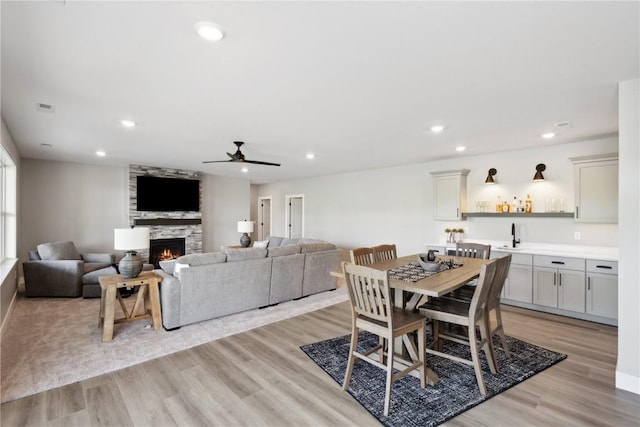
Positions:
(602, 253)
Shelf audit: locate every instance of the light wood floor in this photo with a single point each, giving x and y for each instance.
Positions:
(262, 378)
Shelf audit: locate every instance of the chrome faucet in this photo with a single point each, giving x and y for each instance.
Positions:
(514, 242)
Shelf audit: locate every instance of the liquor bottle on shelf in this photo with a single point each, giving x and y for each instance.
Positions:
(528, 204)
(514, 205)
(520, 206)
(505, 207)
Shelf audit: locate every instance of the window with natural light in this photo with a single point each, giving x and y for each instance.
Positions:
(8, 193)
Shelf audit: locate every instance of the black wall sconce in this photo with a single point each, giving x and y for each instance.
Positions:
(540, 167)
(492, 173)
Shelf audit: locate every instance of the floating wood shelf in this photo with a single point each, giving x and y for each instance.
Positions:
(518, 214)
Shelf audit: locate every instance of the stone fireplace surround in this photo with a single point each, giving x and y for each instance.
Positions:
(166, 225)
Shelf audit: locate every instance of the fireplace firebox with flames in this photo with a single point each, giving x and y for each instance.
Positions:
(165, 249)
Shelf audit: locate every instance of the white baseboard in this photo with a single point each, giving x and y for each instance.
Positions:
(6, 319)
(627, 382)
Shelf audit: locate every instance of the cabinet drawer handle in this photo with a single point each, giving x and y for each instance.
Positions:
(589, 284)
(608, 267)
(557, 262)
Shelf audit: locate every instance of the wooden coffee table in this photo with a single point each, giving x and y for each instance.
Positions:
(148, 298)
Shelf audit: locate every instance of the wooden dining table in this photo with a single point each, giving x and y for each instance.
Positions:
(409, 295)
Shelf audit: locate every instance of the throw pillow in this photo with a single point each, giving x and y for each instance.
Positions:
(177, 268)
(58, 251)
(261, 244)
(168, 266)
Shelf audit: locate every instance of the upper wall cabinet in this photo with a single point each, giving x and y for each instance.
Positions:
(449, 194)
(596, 188)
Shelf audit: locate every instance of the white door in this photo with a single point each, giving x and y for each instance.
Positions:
(264, 218)
(295, 216)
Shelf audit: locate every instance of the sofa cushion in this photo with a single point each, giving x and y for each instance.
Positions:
(203, 259)
(34, 256)
(242, 254)
(274, 241)
(316, 247)
(287, 241)
(58, 251)
(168, 265)
(283, 251)
(260, 244)
(93, 266)
(91, 278)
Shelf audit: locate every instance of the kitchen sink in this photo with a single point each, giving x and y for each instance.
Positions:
(507, 248)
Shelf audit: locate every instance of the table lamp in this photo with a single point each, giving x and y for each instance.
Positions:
(128, 240)
(245, 227)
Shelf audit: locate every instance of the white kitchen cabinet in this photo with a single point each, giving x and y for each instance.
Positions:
(559, 282)
(602, 288)
(449, 194)
(519, 283)
(596, 188)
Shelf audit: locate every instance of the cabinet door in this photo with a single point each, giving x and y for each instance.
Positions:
(571, 295)
(518, 286)
(449, 194)
(596, 191)
(602, 295)
(545, 291)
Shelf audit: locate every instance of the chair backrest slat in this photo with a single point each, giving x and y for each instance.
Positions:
(481, 293)
(369, 292)
(362, 256)
(384, 253)
(502, 270)
(473, 250)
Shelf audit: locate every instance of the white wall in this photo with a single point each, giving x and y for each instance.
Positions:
(628, 367)
(396, 204)
(226, 201)
(84, 203)
(72, 201)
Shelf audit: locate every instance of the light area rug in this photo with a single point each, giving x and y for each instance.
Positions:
(51, 342)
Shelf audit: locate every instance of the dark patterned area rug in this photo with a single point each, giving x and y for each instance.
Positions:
(456, 392)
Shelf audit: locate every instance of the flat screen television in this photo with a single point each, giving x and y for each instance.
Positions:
(167, 194)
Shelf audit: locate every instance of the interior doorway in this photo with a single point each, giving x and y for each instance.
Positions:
(294, 218)
(264, 217)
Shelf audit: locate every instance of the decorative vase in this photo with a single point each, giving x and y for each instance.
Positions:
(130, 265)
(245, 240)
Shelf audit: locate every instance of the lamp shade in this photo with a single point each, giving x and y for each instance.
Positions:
(129, 239)
(245, 226)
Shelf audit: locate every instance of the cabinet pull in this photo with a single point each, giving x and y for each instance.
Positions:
(557, 262)
(457, 212)
(554, 278)
(560, 279)
(589, 283)
(577, 215)
(608, 267)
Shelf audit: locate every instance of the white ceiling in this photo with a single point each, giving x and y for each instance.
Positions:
(357, 83)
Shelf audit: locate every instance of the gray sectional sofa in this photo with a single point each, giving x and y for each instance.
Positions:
(199, 287)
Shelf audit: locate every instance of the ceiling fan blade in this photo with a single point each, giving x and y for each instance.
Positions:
(218, 161)
(233, 156)
(255, 162)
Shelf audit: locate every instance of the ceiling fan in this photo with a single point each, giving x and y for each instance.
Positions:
(238, 157)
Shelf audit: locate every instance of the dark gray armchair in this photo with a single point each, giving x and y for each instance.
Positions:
(58, 270)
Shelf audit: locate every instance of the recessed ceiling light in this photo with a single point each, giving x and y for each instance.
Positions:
(128, 123)
(210, 31)
(437, 128)
(101, 153)
(311, 156)
(461, 148)
(548, 135)
(245, 170)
